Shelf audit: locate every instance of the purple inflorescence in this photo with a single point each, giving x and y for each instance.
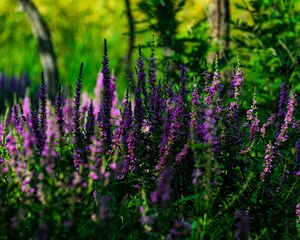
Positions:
(253, 120)
(179, 230)
(183, 81)
(90, 123)
(236, 83)
(152, 81)
(283, 97)
(298, 158)
(157, 109)
(196, 115)
(242, 225)
(104, 116)
(127, 120)
(209, 127)
(42, 111)
(138, 111)
(76, 114)
(283, 134)
(141, 76)
(269, 122)
(162, 193)
(298, 211)
(182, 154)
(269, 157)
(59, 102)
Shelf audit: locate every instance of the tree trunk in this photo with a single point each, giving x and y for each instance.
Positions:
(46, 51)
(131, 35)
(219, 20)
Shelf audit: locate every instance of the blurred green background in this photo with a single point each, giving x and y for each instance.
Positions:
(264, 33)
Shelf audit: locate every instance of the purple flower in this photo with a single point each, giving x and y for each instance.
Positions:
(298, 211)
(152, 79)
(90, 123)
(77, 159)
(115, 113)
(95, 149)
(269, 157)
(283, 97)
(129, 161)
(34, 124)
(18, 120)
(209, 127)
(104, 116)
(242, 226)
(182, 154)
(49, 152)
(68, 115)
(183, 80)
(253, 120)
(26, 107)
(269, 122)
(297, 158)
(93, 175)
(42, 111)
(283, 134)
(29, 141)
(206, 76)
(214, 90)
(127, 120)
(105, 213)
(236, 83)
(76, 114)
(59, 102)
(3, 166)
(116, 141)
(141, 76)
(164, 149)
(197, 173)
(196, 115)
(179, 230)
(162, 194)
(172, 129)
(157, 109)
(138, 111)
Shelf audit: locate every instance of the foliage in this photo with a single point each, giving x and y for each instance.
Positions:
(269, 43)
(187, 47)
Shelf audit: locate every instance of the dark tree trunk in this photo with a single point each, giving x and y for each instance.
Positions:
(219, 20)
(42, 35)
(131, 35)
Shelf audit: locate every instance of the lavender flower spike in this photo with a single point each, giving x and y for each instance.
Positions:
(236, 83)
(195, 114)
(183, 80)
(138, 110)
(42, 110)
(253, 119)
(59, 112)
(76, 117)
(209, 127)
(141, 76)
(283, 97)
(242, 228)
(152, 77)
(269, 157)
(283, 134)
(90, 123)
(162, 193)
(104, 116)
(126, 120)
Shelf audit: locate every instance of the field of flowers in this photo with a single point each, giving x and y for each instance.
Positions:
(175, 159)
